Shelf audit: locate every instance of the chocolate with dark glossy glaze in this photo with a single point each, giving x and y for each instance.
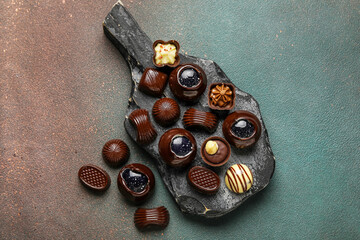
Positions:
(140, 119)
(153, 82)
(203, 180)
(182, 92)
(221, 96)
(153, 218)
(177, 57)
(235, 140)
(222, 154)
(169, 156)
(194, 119)
(127, 188)
(94, 178)
(166, 111)
(115, 152)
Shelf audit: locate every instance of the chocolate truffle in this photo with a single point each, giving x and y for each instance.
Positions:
(241, 129)
(115, 152)
(221, 96)
(239, 178)
(215, 151)
(153, 82)
(136, 182)
(196, 119)
(153, 218)
(140, 119)
(94, 178)
(166, 53)
(203, 180)
(177, 147)
(187, 82)
(166, 111)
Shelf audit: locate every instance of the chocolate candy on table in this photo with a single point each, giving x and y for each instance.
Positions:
(215, 151)
(177, 147)
(115, 152)
(221, 96)
(203, 180)
(196, 119)
(239, 178)
(166, 53)
(153, 218)
(136, 182)
(187, 82)
(241, 129)
(140, 119)
(166, 111)
(94, 178)
(153, 82)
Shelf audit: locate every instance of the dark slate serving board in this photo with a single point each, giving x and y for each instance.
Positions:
(136, 47)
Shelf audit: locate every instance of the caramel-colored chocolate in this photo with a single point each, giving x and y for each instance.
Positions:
(163, 58)
(166, 111)
(177, 154)
(136, 182)
(140, 119)
(239, 178)
(94, 178)
(221, 156)
(115, 152)
(187, 82)
(204, 180)
(251, 132)
(194, 119)
(153, 82)
(221, 96)
(153, 218)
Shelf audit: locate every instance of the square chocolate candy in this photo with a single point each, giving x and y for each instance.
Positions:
(153, 82)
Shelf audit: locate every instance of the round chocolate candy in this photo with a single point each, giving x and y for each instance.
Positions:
(94, 178)
(187, 82)
(215, 151)
(177, 147)
(166, 111)
(239, 178)
(241, 129)
(136, 182)
(115, 152)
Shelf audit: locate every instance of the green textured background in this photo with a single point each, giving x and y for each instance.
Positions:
(64, 91)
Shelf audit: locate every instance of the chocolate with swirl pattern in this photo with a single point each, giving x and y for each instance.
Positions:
(140, 119)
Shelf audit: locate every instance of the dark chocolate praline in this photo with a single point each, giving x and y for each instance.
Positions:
(153, 82)
(187, 82)
(242, 129)
(221, 96)
(94, 178)
(166, 111)
(222, 154)
(115, 152)
(177, 147)
(203, 180)
(136, 182)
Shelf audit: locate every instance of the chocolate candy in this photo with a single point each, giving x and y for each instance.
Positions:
(221, 96)
(241, 129)
(166, 111)
(166, 53)
(195, 119)
(136, 182)
(215, 151)
(204, 180)
(153, 82)
(115, 152)
(94, 178)
(140, 119)
(154, 218)
(187, 82)
(239, 178)
(177, 147)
